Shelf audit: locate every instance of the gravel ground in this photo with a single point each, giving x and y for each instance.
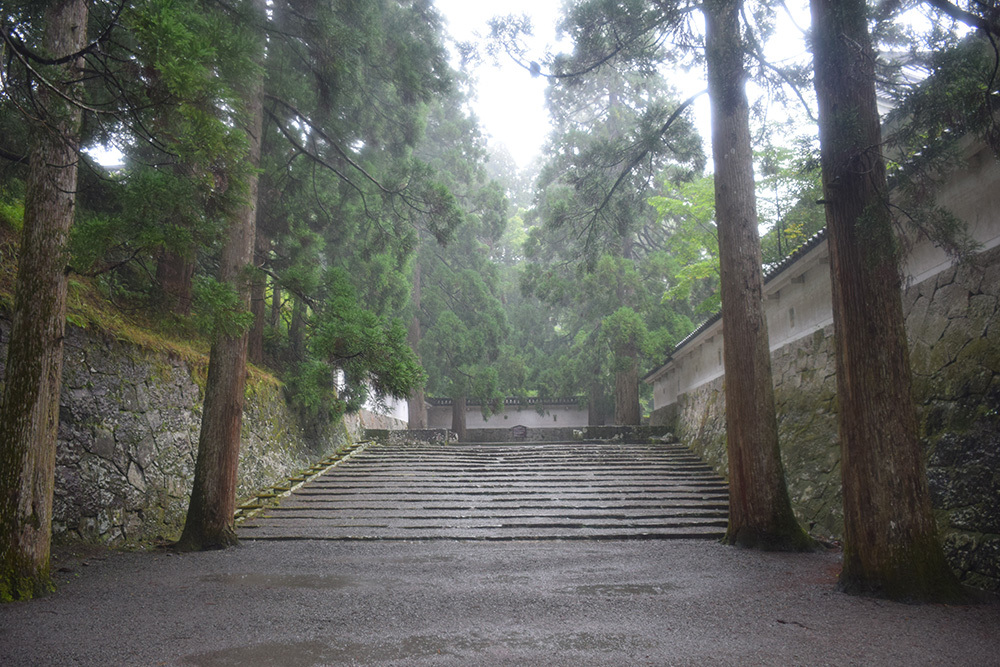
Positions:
(480, 603)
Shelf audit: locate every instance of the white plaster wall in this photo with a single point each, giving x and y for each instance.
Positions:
(973, 195)
(699, 362)
(438, 417)
(554, 416)
(394, 409)
(798, 301)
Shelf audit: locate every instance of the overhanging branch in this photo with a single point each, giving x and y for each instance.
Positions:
(642, 154)
(966, 17)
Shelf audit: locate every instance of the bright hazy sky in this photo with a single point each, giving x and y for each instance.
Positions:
(510, 104)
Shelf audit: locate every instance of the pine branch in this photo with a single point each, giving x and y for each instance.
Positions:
(329, 140)
(758, 55)
(13, 157)
(17, 45)
(644, 152)
(966, 17)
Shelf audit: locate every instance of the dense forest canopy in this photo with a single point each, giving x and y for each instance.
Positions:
(365, 160)
(302, 184)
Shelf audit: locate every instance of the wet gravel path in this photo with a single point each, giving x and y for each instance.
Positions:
(518, 555)
(672, 602)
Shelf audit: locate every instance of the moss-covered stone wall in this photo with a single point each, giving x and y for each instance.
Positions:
(128, 436)
(954, 326)
(954, 332)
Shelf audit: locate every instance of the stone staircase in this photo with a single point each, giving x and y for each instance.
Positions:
(521, 491)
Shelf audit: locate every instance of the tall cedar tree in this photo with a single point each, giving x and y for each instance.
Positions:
(760, 513)
(29, 408)
(346, 98)
(593, 258)
(210, 517)
(455, 286)
(417, 417)
(891, 547)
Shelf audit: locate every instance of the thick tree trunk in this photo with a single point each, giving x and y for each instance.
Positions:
(891, 547)
(417, 418)
(258, 305)
(297, 330)
(458, 417)
(29, 406)
(627, 410)
(174, 275)
(210, 517)
(595, 404)
(760, 514)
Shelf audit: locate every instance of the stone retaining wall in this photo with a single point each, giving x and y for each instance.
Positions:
(954, 332)
(128, 434)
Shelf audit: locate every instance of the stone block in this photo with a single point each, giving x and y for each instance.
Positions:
(104, 444)
(135, 477)
(929, 325)
(982, 312)
(145, 451)
(945, 278)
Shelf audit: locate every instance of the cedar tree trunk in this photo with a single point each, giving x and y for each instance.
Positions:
(210, 517)
(275, 316)
(174, 275)
(760, 514)
(627, 411)
(595, 403)
(258, 301)
(29, 406)
(891, 547)
(417, 417)
(458, 417)
(297, 330)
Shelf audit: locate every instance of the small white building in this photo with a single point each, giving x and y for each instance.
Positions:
(530, 412)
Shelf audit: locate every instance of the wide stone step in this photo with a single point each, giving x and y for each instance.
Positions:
(523, 491)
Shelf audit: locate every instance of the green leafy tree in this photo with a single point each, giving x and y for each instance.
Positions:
(163, 95)
(458, 324)
(210, 518)
(629, 36)
(599, 237)
(789, 187)
(688, 212)
(464, 322)
(29, 404)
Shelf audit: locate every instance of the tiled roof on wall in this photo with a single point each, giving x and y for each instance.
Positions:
(773, 273)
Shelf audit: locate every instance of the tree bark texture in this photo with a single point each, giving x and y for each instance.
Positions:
(29, 406)
(174, 275)
(297, 330)
(760, 513)
(258, 298)
(458, 417)
(275, 316)
(417, 406)
(627, 410)
(595, 402)
(891, 547)
(210, 518)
